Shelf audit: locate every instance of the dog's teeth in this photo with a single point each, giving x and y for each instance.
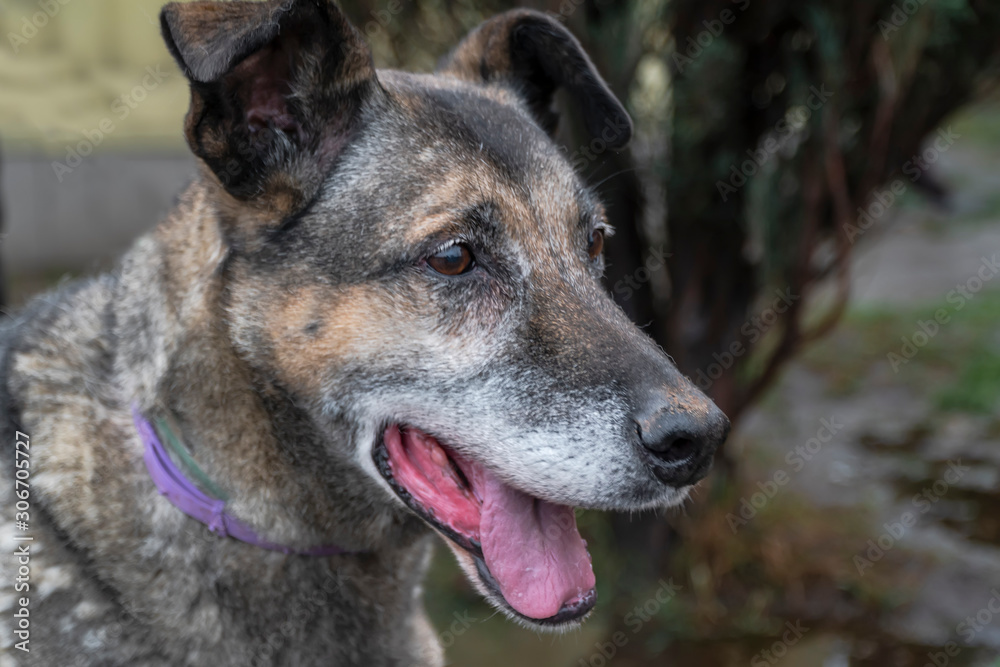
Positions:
(438, 456)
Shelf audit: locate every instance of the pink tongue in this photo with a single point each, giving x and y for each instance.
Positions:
(532, 548)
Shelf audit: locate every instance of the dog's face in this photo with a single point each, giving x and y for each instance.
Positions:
(413, 255)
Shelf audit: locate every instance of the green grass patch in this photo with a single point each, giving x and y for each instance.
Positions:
(977, 388)
(979, 125)
(958, 367)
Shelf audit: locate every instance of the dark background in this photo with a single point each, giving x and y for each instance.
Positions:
(805, 222)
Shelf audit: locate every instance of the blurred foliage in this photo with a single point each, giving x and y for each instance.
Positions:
(745, 89)
(895, 71)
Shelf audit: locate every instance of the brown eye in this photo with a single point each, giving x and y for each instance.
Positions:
(595, 243)
(451, 261)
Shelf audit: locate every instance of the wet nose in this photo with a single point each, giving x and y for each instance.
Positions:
(679, 444)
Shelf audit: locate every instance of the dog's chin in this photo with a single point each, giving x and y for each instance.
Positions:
(666, 498)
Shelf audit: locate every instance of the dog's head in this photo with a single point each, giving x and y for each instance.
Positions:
(413, 255)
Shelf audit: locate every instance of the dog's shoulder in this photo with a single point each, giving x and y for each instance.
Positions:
(56, 380)
(57, 344)
(53, 353)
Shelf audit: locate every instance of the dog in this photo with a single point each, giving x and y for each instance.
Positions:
(374, 317)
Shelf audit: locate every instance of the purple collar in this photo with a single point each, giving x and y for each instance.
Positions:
(186, 497)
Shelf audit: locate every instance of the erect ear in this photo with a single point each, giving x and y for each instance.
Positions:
(276, 90)
(536, 55)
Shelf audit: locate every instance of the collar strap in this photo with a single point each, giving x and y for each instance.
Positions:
(188, 498)
(164, 429)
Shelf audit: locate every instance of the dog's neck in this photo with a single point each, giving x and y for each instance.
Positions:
(293, 483)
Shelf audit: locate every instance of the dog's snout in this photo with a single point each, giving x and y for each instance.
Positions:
(680, 444)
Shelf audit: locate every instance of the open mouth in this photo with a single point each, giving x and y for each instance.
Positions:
(527, 551)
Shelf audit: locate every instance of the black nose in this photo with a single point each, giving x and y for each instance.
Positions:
(679, 442)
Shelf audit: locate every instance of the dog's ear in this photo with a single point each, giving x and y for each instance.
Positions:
(276, 89)
(536, 55)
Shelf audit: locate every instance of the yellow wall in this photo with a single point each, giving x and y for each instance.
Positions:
(67, 78)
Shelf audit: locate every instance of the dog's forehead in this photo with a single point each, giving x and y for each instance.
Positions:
(486, 120)
(445, 146)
